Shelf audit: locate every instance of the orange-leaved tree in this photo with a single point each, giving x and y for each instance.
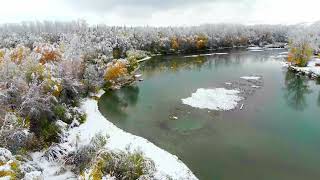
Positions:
(116, 70)
(49, 53)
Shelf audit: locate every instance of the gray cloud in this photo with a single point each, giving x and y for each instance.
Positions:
(138, 7)
(107, 5)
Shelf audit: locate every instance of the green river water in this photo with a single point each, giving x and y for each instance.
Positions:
(276, 136)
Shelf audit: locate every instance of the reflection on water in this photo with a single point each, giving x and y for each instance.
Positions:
(296, 90)
(318, 83)
(117, 102)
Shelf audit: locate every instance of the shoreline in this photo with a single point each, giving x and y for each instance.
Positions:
(167, 164)
(311, 70)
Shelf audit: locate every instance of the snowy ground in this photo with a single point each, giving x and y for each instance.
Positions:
(214, 99)
(167, 165)
(144, 59)
(311, 69)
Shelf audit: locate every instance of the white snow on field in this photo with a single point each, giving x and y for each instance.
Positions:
(50, 169)
(250, 77)
(166, 163)
(214, 99)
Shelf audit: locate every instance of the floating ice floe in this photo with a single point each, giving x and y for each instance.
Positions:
(250, 77)
(214, 99)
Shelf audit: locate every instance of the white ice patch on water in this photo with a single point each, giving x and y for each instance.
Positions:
(250, 77)
(215, 99)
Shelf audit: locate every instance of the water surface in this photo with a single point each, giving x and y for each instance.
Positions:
(276, 136)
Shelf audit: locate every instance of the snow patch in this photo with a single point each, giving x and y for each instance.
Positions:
(209, 54)
(144, 59)
(255, 48)
(190, 56)
(50, 169)
(251, 77)
(214, 99)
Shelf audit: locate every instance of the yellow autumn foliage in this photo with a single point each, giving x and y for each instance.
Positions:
(97, 173)
(48, 53)
(175, 43)
(201, 41)
(300, 55)
(115, 71)
(19, 53)
(2, 54)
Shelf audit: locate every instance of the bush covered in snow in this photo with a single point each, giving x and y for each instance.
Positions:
(122, 165)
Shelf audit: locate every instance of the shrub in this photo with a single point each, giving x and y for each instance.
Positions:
(82, 156)
(38, 109)
(137, 54)
(116, 70)
(13, 133)
(60, 112)
(48, 52)
(133, 64)
(122, 165)
(19, 54)
(35, 73)
(92, 79)
(300, 54)
(70, 92)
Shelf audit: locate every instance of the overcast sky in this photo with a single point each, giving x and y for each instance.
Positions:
(162, 12)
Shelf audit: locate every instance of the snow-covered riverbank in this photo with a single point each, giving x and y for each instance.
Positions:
(312, 69)
(167, 165)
